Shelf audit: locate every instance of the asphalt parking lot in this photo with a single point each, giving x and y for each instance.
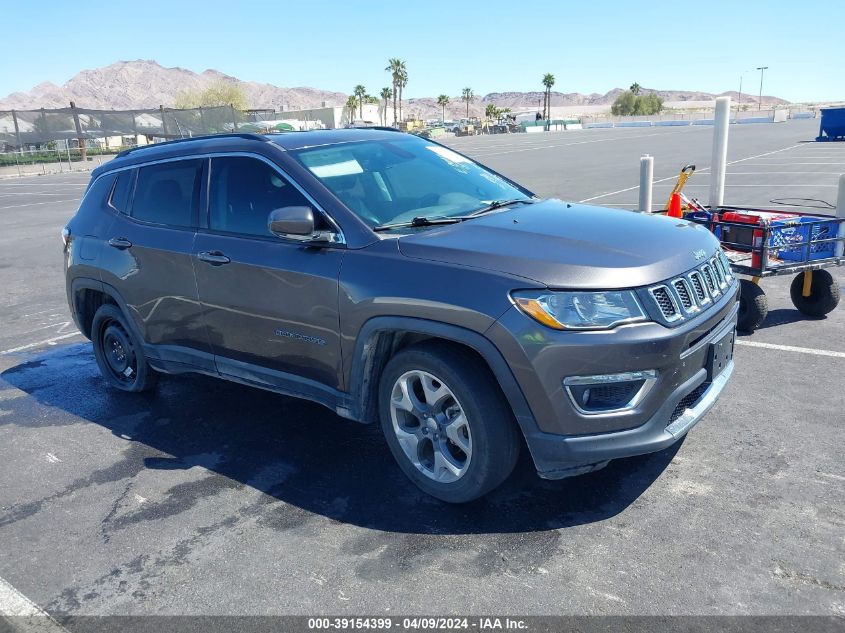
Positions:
(213, 498)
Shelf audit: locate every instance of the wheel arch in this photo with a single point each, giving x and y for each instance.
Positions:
(88, 295)
(381, 337)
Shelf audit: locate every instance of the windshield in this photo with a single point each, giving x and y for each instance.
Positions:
(387, 182)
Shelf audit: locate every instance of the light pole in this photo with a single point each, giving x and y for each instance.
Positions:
(760, 99)
(739, 99)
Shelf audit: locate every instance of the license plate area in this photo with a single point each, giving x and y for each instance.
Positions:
(719, 355)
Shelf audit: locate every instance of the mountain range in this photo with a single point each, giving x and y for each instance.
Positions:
(142, 84)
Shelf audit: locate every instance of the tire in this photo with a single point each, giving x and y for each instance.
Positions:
(753, 306)
(119, 353)
(465, 419)
(824, 294)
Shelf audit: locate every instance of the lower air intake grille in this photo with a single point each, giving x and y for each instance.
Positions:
(688, 401)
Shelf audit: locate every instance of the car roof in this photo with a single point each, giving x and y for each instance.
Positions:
(315, 138)
(242, 142)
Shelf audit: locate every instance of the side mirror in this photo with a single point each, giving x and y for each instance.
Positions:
(292, 222)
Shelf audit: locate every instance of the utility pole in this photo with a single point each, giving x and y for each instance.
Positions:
(163, 122)
(17, 131)
(760, 99)
(83, 154)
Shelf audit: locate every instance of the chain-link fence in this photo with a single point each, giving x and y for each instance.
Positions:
(59, 139)
(32, 129)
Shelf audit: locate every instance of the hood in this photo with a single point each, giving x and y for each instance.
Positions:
(568, 245)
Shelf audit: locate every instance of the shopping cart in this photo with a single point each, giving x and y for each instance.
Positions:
(764, 243)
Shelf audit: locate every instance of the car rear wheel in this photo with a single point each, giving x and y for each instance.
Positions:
(447, 423)
(119, 354)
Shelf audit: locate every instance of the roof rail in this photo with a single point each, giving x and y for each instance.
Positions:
(383, 128)
(246, 135)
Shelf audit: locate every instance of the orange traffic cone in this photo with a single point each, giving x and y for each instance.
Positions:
(675, 206)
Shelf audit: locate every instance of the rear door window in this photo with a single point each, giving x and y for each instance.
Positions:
(168, 193)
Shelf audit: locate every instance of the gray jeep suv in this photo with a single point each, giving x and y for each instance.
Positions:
(394, 280)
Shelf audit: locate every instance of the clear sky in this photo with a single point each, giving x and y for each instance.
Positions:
(491, 46)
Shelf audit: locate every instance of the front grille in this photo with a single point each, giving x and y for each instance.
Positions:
(688, 401)
(684, 294)
(717, 272)
(698, 285)
(665, 302)
(687, 295)
(726, 266)
(708, 277)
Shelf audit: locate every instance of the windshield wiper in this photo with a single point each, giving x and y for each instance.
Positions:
(498, 204)
(420, 221)
(453, 219)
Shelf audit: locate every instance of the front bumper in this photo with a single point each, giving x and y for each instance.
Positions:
(557, 457)
(565, 442)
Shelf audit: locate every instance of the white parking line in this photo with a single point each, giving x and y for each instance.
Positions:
(768, 173)
(541, 147)
(34, 193)
(727, 184)
(675, 176)
(49, 341)
(61, 325)
(13, 604)
(35, 204)
(43, 184)
(791, 348)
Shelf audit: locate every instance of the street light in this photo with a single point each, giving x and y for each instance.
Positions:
(760, 99)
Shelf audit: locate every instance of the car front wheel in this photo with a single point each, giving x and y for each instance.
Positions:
(447, 423)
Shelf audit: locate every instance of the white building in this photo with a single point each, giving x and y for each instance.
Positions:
(333, 117)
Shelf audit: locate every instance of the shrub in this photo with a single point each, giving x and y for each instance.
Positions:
(628, 104)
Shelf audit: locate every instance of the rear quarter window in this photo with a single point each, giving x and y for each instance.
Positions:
(122, 191)
(168, 193)
(97, 194)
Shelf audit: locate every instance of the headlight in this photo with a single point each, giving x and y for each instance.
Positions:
(580, 310)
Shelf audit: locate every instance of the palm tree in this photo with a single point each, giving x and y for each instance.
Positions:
(403, 81)
(351, 106)
(491, 111)
(360, 92)
(635, 88)
(467, 95)
(386, 93)
(443, 101)
(396, 67)
(548, 82)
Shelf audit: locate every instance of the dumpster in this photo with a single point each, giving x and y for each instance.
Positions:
(832, 127)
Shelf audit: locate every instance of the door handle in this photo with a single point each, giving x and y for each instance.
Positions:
(120, 243)
(215, 258)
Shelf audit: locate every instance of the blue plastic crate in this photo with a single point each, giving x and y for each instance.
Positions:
(704, 217)
(786, 232)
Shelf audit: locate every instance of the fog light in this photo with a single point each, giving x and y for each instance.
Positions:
(609, 393)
